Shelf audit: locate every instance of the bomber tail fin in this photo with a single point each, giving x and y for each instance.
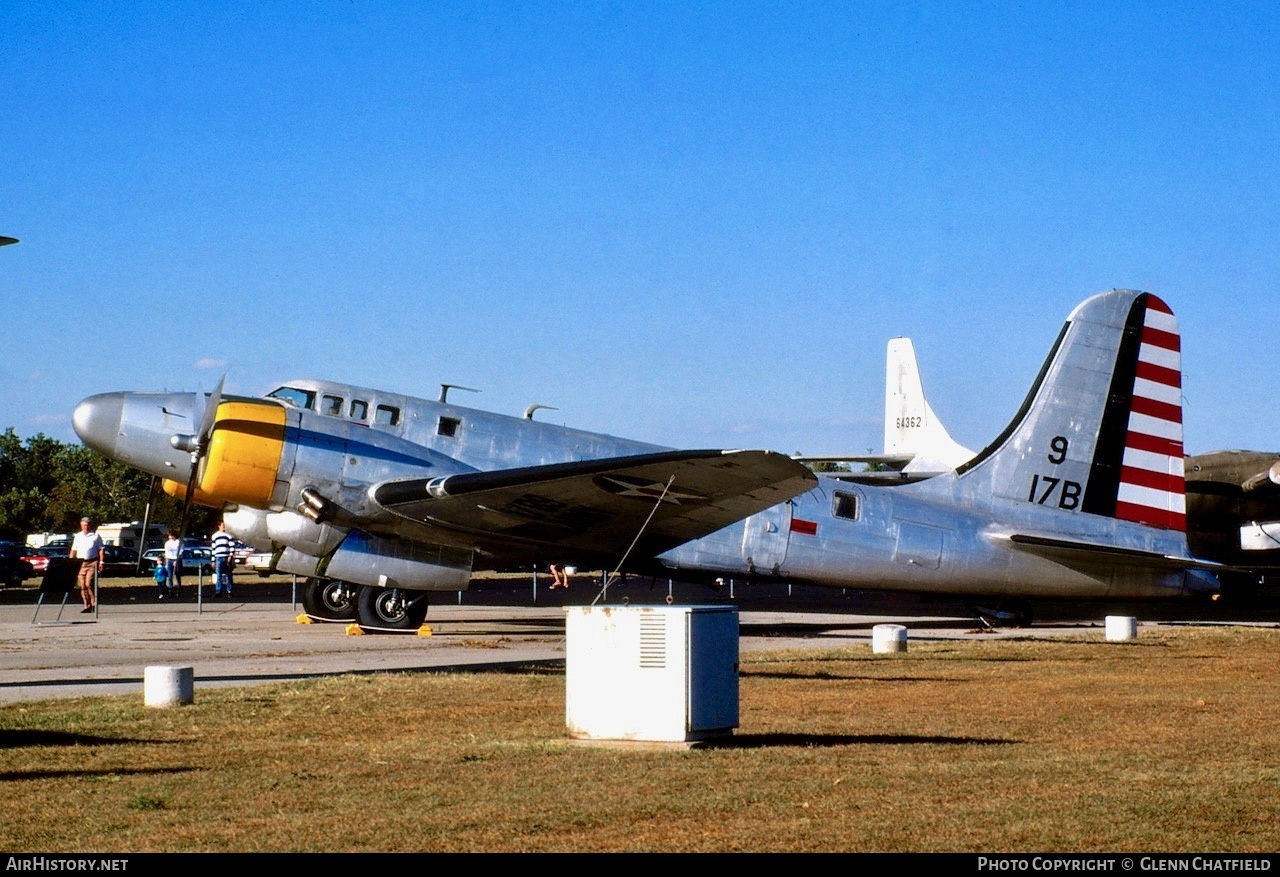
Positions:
(910, 426)
(1101, 429)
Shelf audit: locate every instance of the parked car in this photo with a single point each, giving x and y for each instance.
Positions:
(39, 557)
(13, 569)
(261, 562)
(119, 561)
(193, 560)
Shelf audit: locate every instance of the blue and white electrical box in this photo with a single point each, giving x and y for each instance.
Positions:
(651, 673)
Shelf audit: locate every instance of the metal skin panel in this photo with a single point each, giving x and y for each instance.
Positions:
(764, 539)
(1011, 522)
(485, 440)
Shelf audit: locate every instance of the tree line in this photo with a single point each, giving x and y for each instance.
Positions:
(47, 486)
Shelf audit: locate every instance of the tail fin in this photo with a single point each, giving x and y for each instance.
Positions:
(910, 426)
(1101, 430)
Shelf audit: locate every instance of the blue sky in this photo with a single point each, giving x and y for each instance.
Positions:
(691, 224)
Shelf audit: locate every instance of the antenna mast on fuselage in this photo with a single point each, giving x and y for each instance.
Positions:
(445, 388)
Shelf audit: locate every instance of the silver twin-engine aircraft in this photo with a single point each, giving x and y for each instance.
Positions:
(378, 499)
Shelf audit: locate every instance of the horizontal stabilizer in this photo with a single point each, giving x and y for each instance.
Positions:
(1086, 556)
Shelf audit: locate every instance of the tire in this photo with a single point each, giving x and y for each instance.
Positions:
(391, 609)
(329, 600)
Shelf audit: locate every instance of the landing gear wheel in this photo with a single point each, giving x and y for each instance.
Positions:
(329, 600)
(391, 609)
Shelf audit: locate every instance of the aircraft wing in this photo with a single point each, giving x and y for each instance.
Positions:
(647, 503)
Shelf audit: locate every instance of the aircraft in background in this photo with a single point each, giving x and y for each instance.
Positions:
(916, 444)
(1233, 517)
(911, 429)
(1232, 497)
(1082, 496)
(379, 498)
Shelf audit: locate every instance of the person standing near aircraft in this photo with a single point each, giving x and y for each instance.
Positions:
(222, 559)
(173, 563)
(86, 546)
(559, 579)
(161, 576)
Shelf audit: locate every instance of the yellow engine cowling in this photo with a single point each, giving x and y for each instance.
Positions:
(243, 457)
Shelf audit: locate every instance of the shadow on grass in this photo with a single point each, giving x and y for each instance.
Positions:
(17, 738)
(759, 741)
(6, 776)
(828, 676)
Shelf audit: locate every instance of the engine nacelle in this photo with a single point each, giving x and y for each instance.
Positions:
(303, 534)
(364, 559)
(248, 525)
(243, 457)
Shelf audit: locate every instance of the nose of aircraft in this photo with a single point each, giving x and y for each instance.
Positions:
(97, 421)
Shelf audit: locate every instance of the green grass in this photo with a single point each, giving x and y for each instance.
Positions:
(1163, 744)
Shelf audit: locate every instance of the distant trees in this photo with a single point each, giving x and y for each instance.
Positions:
(47, 486)
(827, 466)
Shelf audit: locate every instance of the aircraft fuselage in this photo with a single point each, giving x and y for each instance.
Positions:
(917, 537)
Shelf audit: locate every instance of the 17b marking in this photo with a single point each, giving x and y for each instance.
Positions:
(1068, 492)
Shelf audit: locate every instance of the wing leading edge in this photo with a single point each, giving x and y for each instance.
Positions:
(599, 507)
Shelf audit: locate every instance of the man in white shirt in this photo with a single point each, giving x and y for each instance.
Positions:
(86, 546)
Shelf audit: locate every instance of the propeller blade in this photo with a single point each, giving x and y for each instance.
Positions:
(186, 499)
(210, 412)
(201, 444)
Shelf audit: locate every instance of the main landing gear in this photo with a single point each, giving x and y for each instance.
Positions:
(382, 609)
(329, 600)
(391, 609)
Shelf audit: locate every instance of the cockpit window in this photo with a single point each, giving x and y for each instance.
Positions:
(359, 409)
(387, 415)
(295, 397)
(331, 405)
